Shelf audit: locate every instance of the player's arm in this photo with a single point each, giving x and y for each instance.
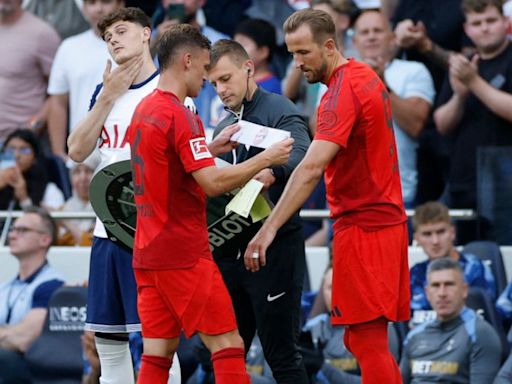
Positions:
(300, 185)
(485, 355)
(84, 137)
(57, 123)
(20, 337)
(215, 181)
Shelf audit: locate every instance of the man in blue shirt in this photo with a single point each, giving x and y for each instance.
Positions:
(435, 233)
(24, 299)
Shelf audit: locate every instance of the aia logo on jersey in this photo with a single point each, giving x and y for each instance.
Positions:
(199, 148)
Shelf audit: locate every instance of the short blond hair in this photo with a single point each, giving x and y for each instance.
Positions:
(432, 212)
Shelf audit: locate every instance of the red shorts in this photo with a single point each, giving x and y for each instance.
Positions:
(370, 275)
(193, 299)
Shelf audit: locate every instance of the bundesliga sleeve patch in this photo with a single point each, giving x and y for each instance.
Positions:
(199, 148)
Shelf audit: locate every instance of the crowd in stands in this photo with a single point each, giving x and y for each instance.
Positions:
(447, 66)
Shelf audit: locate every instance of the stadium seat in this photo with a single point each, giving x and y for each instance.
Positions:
(58, 173)
(56, 356)
(479, 301)
(489, 252)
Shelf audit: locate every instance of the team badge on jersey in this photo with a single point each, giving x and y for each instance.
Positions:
(199, 148)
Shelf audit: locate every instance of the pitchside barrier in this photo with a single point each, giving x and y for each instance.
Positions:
(73, 262)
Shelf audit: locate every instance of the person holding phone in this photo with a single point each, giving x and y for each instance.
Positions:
(24, 180)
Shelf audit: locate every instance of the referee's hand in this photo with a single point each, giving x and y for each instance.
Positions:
(255, 254)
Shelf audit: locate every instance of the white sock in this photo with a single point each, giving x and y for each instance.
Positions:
(115, 360)
(175, 371)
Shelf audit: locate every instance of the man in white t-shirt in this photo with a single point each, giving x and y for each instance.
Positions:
(411, 92)
(77, 69)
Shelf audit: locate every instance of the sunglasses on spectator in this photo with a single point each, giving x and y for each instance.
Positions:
(22, 230)
(13, 151)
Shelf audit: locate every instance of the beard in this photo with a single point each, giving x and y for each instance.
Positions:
(316, 75)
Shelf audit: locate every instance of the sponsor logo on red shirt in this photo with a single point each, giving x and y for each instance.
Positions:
(199, 148)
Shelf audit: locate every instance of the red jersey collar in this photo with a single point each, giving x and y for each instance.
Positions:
(337, 69)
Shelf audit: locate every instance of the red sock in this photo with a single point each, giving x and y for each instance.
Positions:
(229, 366)
(154, 370)
(368, 342)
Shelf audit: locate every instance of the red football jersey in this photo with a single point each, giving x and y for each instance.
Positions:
(362, 181)
(167, 144)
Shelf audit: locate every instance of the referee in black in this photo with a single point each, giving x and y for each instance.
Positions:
(267, 301)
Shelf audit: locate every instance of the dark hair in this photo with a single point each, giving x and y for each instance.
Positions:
(177, 37)
(49, 225)
(261, 32)
(231, 48)
(320, 23)
(444, 263)
(26, 135)
(479, 6)
(431, 212)
(131, 14)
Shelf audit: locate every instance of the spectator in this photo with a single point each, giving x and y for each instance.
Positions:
(339, 365)
(223, 15)
(411, 92)
(428, 30)
(25, 298)
(341, 12)
(504, 303)
(63, 15)
(26, 183)
(504, 376)
(190, 13)
(507, 11)
(77, 68)
(78, 231)
(258, 37)
(474, 104)
(435, 233)
(274, 11)
(427, 35)
(29, 45)
(459, 346)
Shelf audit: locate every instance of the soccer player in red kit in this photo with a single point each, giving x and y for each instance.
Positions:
(354, 145)
(179, 285)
